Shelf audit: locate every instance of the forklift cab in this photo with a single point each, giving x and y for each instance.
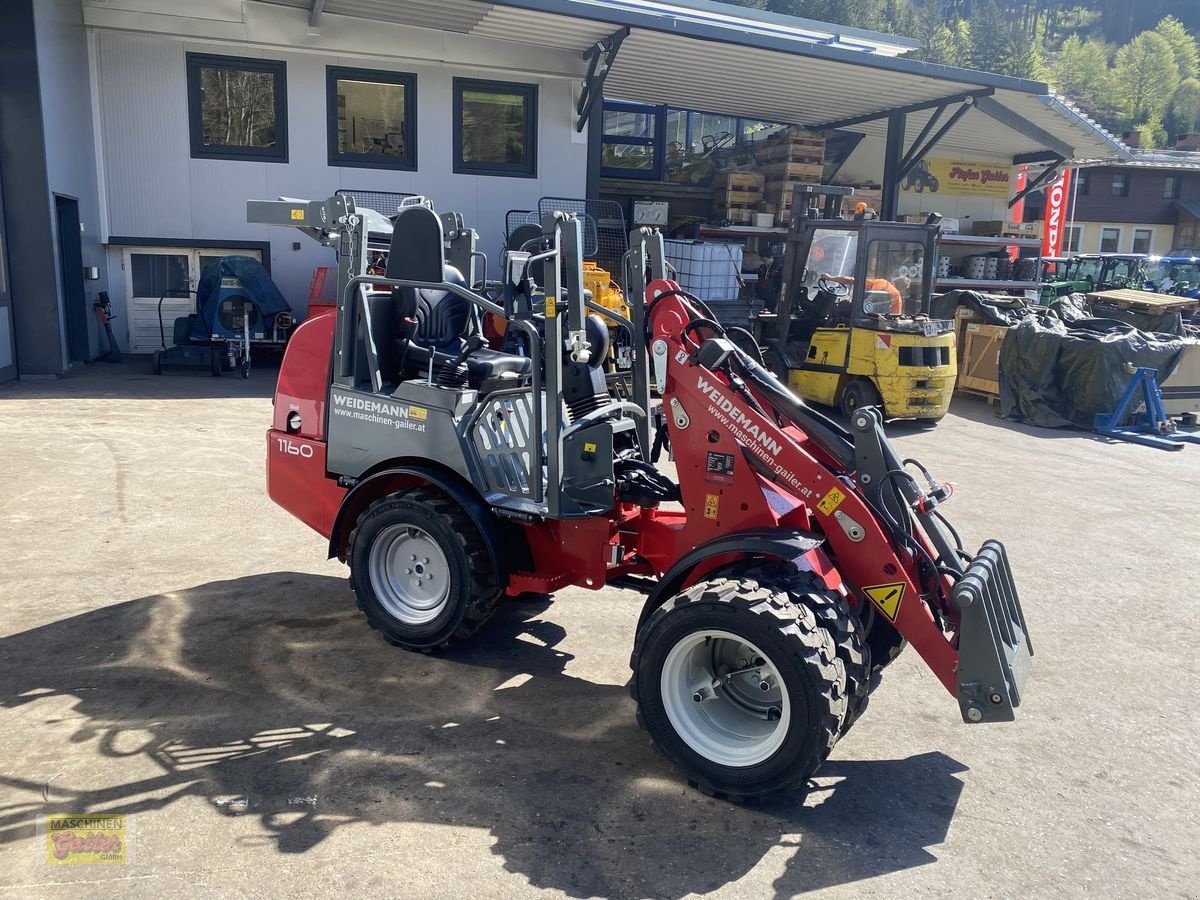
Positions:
(853, 325)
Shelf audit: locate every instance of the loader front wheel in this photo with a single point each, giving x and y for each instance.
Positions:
(739, 687)
(420, 570)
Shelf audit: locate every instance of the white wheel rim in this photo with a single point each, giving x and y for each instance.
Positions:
(409, 574)
(736, 723)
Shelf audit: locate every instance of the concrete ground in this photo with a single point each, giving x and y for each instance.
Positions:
(175, 648)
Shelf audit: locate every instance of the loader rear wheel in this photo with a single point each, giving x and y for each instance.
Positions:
(420, 570)
(739, 687)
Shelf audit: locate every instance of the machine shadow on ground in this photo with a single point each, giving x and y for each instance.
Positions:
(266, 696)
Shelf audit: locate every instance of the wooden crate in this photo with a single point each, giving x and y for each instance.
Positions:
(735, 198)
(741, 181)
(980, 370)
(791, 171)
(806, 151)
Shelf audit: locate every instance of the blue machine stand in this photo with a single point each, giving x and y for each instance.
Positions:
(1149, 426)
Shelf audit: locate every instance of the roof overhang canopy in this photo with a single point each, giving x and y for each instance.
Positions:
(712, 57)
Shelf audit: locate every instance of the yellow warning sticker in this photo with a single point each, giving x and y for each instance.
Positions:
(589, 447)
(887, 597)
(711, 504)
(831, 501)
(418, 412)
(297, 215)
(551, 307)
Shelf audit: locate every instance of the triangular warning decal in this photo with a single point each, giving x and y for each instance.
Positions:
(887, 597)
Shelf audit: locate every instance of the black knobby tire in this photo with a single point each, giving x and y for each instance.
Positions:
(473, 590)
(804, 658)
(858, 393)
(882, 639)
(836, 616)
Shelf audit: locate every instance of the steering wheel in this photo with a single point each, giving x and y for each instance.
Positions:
(829, 286)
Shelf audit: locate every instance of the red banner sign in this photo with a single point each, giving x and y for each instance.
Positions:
(1018, 208)
(1057, 198)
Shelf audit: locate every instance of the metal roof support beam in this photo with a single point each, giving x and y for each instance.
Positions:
(933, 120)
(889, 202)
(1007, 117)
(1022, 159)
(314, 13)
(1046, 175)
(904, 110)
(917, 153)
(600, 57)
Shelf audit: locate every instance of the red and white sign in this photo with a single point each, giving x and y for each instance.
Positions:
(1057, 195)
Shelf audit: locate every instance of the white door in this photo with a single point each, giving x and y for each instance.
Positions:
(151, 273)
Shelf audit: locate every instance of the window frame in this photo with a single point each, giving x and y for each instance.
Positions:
(1120, 234)
(1176, 183)
(1124, 177)
(194, 63)
(502, 170)
(1083, 182)
(1079, 232)
(656, 143)
(1149, 240)
(346, 160)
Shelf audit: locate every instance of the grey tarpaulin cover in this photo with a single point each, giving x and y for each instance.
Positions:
(993, 310)
(1054, 374)
(1073, 307)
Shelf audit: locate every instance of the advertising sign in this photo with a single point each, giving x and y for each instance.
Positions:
(1057, 197)
(959, 178)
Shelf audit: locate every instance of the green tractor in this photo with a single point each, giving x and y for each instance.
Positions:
(1090, 272)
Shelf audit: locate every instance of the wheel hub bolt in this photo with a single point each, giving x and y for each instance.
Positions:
(408, 571)
(996, 698)
(698, 697)
(764, 686)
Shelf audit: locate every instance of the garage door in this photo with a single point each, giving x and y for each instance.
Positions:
(164, 277)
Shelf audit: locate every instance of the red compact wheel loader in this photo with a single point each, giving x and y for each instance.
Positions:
(788, 563)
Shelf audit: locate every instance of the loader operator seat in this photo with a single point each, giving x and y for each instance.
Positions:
(430, 322)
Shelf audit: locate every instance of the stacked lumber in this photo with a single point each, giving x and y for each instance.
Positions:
(736, 196)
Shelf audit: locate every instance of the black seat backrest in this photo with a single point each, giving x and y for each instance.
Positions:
(441, 316)
(418, 250)
(522, 235)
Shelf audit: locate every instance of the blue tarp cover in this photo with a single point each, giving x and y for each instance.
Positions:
(256, 284)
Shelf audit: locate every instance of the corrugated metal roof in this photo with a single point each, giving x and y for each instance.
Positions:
(699, 55)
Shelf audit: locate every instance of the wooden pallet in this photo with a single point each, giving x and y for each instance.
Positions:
(1144, 301)
(992, 399)
(979, 367)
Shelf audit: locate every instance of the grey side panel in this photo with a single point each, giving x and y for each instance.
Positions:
(366, 429)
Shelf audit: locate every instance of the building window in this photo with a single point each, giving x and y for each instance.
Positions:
(237, 108)
(1141, 239)
(1110, 240)
(1120, 185)
(1171, 187)
(372, 118)
(1083, 180)
(1072, 239)
(630, 141)
(495, 128)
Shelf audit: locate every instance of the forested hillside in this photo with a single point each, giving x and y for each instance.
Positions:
(1129, 64)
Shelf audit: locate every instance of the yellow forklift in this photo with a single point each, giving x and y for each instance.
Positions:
(852, 327)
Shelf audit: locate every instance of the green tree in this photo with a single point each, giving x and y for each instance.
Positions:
(1185, 108)
(1146, 77)
(1183, 46)
(1081, 71)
